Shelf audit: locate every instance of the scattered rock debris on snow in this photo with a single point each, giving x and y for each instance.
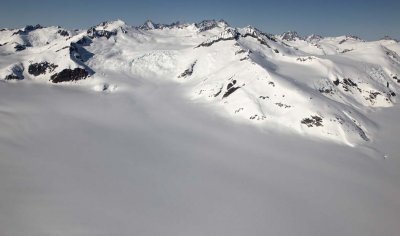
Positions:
(313, 121)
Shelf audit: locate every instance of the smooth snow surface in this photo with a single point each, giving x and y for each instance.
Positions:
(156, 142)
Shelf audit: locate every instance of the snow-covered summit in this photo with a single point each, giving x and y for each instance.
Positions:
(111, 25)
(314, 38)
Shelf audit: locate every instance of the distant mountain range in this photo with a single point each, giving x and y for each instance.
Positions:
(318, 86)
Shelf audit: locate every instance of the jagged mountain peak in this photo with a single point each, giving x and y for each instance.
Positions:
(291, 35)
(204, 25)
(211, 24)
(150, 25)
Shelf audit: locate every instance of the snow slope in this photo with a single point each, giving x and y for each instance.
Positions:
(197, 129)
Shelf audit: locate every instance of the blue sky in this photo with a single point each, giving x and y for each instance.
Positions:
(365, 18)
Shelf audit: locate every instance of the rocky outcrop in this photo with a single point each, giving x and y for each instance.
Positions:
(149, 25)
(291, 36)
(210, 24)
(19, 47)
(16, 72)
(229, 34)
(230, 88)
(188, 71)
(79, 53)
(28, 29)
(94, 33)
(68, 75)
(41, 68)
(13, 77)
(63, 33)
(256, 34)
(313, 121)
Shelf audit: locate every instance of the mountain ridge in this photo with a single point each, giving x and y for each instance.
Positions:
(315, 86)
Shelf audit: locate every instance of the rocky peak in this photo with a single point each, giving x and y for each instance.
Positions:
(148, 25)
(211, 24)
(28, 29)
(111, 25)
(291, 36)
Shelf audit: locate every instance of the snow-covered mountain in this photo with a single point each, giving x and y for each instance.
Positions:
(315, 86)
(197, 129)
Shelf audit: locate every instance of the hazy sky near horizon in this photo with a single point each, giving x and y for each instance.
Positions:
(368, 19)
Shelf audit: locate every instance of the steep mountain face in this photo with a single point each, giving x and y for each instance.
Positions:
(315, 86)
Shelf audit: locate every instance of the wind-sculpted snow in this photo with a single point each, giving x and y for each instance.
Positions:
(315, 86)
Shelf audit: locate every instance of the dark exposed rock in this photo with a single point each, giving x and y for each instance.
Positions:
(79, 53)
(257, 117)
(28, 29)
(230, 85)
(349, 82)
(240, 51)
(93, 33)
(188, 72)
(32, 28)
(63, 33)
(269, 36)
(229, 34)
(279, 104)
(84, 41)
(219, 92)
(373, 95)
(291, 36)
(346, 50)
(69, 75)
(19, 47)
(17, 72)
(230, 89)
(149, 25)
(256, 34)
(62, 48)
(326, 90)
(336, 82)
(313, 121)
(314, 38)
(13, 77)
(37, 69)
(210, 24)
